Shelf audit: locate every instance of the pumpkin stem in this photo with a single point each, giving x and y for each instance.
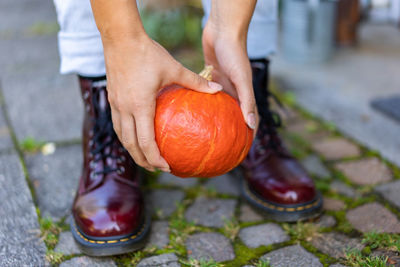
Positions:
(206, 73)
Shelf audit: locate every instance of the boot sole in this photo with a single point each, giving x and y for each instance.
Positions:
(283, 213)
(115, 245)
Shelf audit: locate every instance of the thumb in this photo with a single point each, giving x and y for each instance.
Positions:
(195, 82)
(247, 103)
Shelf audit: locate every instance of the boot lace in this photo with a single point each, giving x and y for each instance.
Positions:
(270, 122)
(104, 138)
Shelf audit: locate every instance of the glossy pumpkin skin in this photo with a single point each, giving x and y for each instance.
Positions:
(200, 135)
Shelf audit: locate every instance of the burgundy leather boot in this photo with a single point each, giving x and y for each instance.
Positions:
(108, 210)
(274, 180)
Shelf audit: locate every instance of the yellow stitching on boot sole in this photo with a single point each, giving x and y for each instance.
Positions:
(109, 241)
(278, 208)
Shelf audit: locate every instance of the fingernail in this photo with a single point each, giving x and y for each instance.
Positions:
(251, 120)
(215, 86)
(165, 169)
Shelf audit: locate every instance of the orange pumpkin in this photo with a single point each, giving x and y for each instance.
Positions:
(199, 134)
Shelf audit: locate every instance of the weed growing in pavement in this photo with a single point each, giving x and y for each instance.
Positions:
(130, 259)
(357, 259)
(179, 229)
(30, 145)
(201, 263)
(382, 240)
(301, 231)
(54, 257)
(49, 232)
(231, 228)
(262, 263)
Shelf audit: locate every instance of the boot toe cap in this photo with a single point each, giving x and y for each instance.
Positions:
(106, 215)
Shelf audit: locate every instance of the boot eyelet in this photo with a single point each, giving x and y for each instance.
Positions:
(121, 170)
(86, 95)
(91, 164)
(91, 143)
(92, 175)
(121, 159)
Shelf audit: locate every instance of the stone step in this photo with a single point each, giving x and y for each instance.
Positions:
(20, 244)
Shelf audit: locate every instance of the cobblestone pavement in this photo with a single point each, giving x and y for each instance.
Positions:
(203, 222)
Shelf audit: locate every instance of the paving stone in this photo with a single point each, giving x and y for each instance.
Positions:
(66, 244)
(263, 235)
(41, 103)
(299, 127)
(314, 165)
(305, 130)
(342, 188)
(164, 202)
(366, 171)
(209, 246)
(225, 184)
(159, 234)
(163, 260)
(55, 178)
(325, 221)
(336, 148)
(210, 212)
(249, 214)
(20, 244)
(86, 261)
(335, 244)
(292, 256)
(169, 179)
(5, 138)
(393, 256)
(53, 98)
(333, 204)
(390, 192)
(373, 217)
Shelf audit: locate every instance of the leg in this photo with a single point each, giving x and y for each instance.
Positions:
(275, 182)
(108, 211)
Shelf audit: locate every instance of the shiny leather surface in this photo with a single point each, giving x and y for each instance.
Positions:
(275, 175)
(270, 170)
(107, 203)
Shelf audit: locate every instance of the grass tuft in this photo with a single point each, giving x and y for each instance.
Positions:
(49, 232)
(382, 240)
(54, 257)
(301, 231)
(201, 263)
(357, 259)
(30, 145)
(231, 228)
(262, 263)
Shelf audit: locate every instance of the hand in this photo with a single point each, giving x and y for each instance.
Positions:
(136, 71)
(228, 55)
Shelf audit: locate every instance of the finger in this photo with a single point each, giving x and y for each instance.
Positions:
(195, 82)
(244, 87)
(146, 139)
(116, 121)
(129, 141)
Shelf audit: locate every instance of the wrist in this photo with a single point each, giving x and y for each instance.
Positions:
(231, 35)
(118, 37)
(235, 32)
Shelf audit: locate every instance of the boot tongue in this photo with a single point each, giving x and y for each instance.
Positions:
(100, 104)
